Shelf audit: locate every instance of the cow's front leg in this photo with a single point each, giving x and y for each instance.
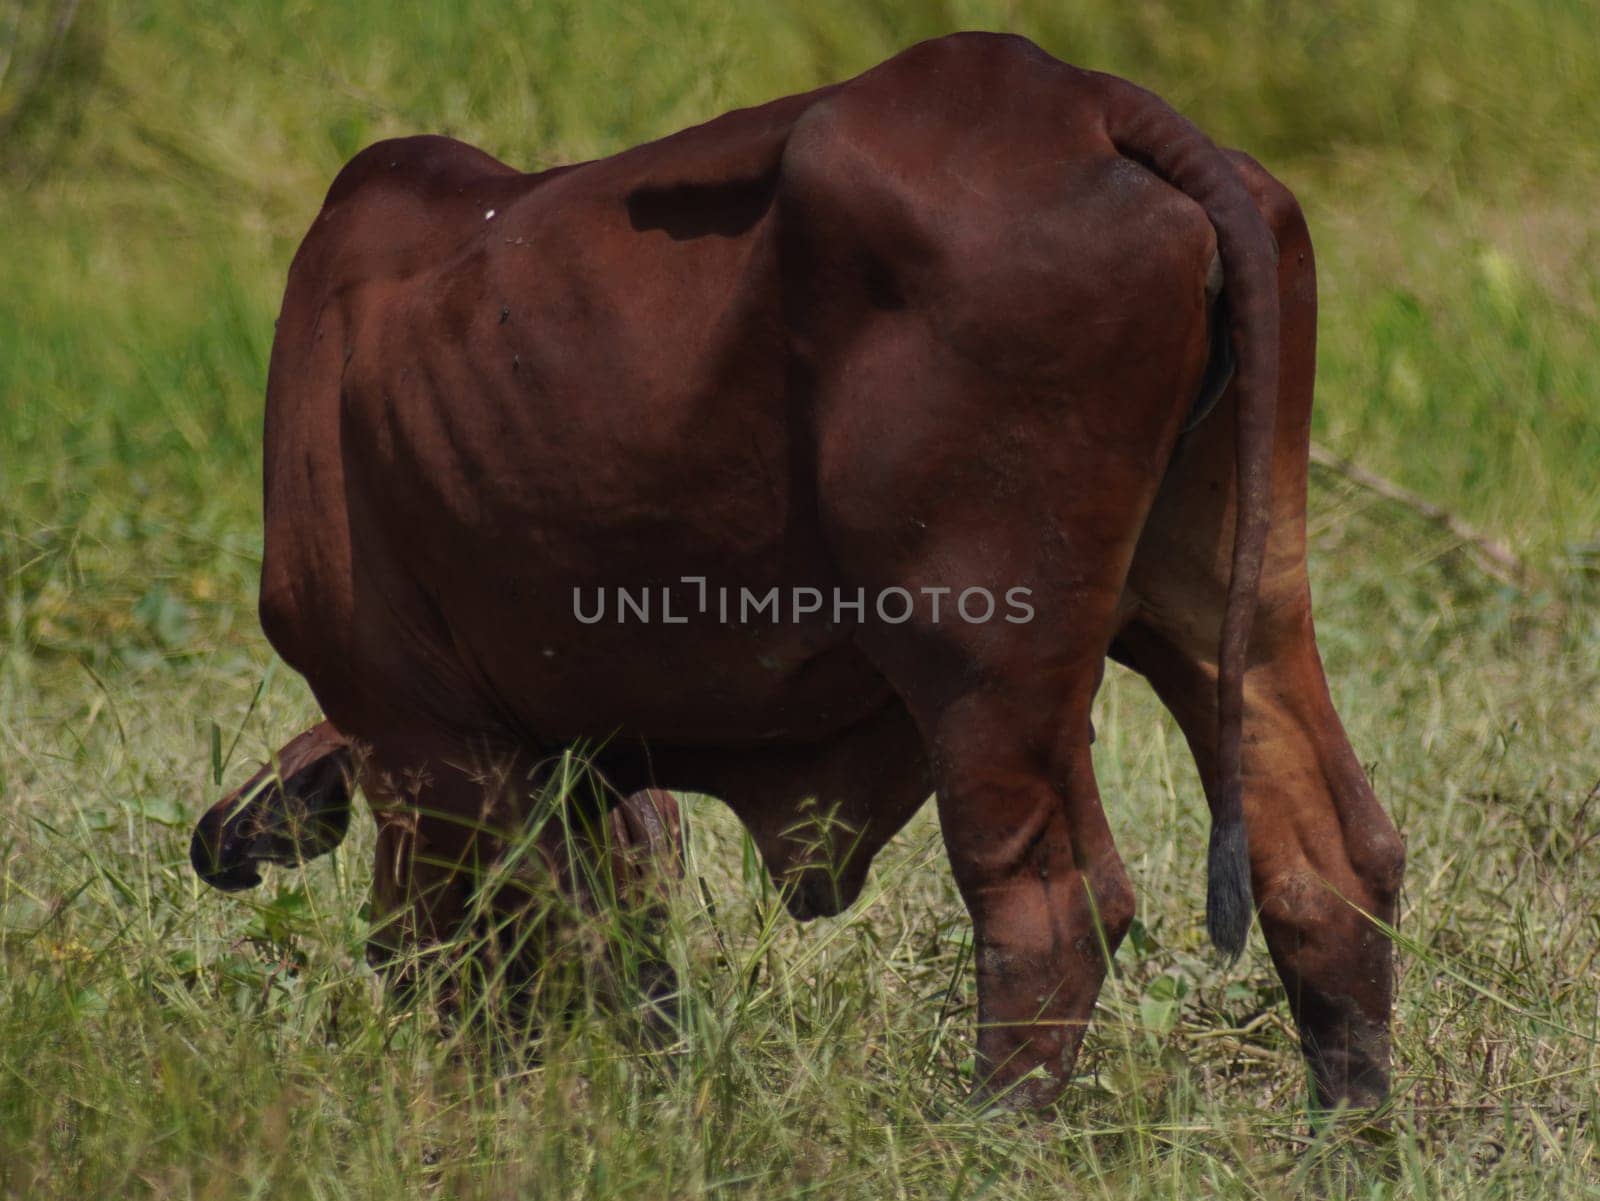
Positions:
(1048, 894)
(500, 888)
(443, 811)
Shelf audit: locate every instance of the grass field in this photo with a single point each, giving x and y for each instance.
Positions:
(157, 1039)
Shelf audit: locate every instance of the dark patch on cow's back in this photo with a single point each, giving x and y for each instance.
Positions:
(725, 208)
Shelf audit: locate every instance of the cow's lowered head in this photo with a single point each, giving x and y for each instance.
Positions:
(294, 809)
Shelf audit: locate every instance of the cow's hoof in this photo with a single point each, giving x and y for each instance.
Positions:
(1036, 1091)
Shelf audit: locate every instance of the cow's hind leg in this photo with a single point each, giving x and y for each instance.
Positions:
(1013, 578)
(1005, 712)
(990, 441)
(1325, 858)
(1035, 862)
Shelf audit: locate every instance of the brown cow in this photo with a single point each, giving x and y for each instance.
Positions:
(933, 334)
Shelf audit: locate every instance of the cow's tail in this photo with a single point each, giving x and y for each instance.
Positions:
(1145, 129)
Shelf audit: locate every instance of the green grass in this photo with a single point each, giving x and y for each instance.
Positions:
(157, 1039)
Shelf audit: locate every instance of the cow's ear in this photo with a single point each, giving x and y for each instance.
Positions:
(292, 810)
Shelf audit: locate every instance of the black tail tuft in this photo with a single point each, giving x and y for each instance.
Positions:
(1229, 905)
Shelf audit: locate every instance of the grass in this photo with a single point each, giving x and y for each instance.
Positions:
(157, 1039)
